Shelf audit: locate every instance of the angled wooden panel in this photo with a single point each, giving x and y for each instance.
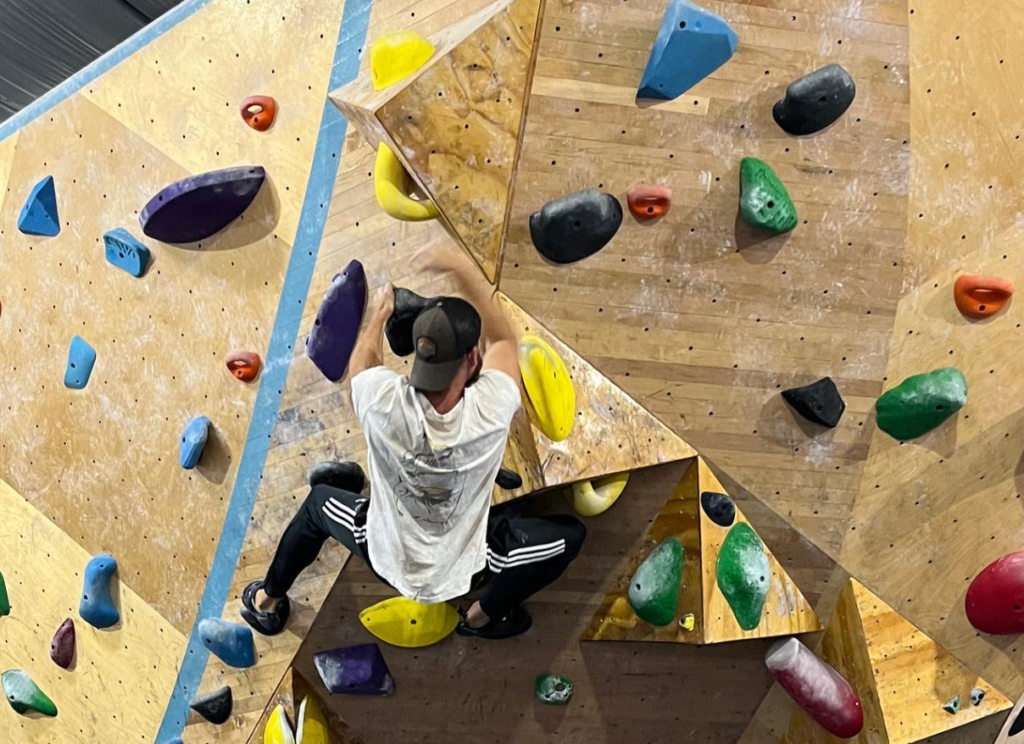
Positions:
(182, 91)
(613, 433)
(121, 678)
(615, 619)
(902, 676)
(457, 124)
(786, 611)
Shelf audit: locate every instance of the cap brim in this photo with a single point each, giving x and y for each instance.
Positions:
(433, 377)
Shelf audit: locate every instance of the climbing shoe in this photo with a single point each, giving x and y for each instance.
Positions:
(516, 622)
(267, 623)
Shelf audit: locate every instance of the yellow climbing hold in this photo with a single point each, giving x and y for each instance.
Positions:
(403, 622)
(687, 621)
(312, 724)
(548, 386)
(393, 186)
(278, 730)
(397, 54)
(591, 497)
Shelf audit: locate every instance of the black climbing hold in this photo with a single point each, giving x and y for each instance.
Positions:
(815, 101)
(398, 329)
(719, 508)
(576, 225)
(347, 476)
(819, 402)
(1018, 724)
(509, 480)
(214, 707)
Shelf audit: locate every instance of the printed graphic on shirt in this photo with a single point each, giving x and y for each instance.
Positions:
(429, 488)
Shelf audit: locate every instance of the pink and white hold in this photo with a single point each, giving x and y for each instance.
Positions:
(816, 687)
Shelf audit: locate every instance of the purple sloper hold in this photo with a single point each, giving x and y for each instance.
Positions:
(196, 207)
(336, 327)
(62, 647)
(355, 670)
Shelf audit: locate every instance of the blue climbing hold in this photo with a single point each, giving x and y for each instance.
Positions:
(125, 252)
(692, 43)
(229, 642)
(96, 607)
(193, 440)
(81, 358)
(39, 215)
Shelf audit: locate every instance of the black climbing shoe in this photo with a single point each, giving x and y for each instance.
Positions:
(347, 476)
(516, 622)
(267, 623)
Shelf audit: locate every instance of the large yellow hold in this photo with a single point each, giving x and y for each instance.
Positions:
(312, 728)
(278, 730)
(548, 386)
(591, 497)
(393, 186)
(397, 54)
(403, 622)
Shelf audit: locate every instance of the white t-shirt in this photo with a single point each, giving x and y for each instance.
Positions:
(432, 476)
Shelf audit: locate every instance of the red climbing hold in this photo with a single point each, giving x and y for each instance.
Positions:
(259, 112)
(245, 365)
(995, 599)
(649, 202)
(981, 296)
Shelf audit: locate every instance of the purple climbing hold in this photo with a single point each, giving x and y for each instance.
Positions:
(196, 207)
(336, 328)
(62, 647)
(355, 670)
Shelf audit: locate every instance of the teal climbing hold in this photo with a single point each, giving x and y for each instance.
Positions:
(230, 642)
(39, 215)
(125, 252)
(691, 44)
(24, 695)
(921, 402)
(96, 606)
(5, 602)
(743, 574)
(654, 588)
(81, 358)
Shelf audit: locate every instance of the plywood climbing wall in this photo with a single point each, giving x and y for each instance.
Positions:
(119, 678)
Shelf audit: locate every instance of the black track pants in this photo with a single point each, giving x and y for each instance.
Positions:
(524, 554)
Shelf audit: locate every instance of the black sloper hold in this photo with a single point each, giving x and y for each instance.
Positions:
(347, 476)
(508, 480)
(575, 226)
(819, 402)
(815, 101)
(719, 508)
(215, 707)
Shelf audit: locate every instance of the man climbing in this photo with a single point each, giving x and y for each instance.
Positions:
(435, 441)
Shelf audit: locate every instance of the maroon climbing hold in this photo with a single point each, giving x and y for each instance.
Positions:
(995, 599)
(62, 647)
(336, 328)
(649, 202)
(245, 365)
(816, 687)
(259, 112)
(197, 207)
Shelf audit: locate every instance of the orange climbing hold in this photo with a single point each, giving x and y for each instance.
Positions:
(244, 365)
(649, 202)
(981, 296)
(259, 112)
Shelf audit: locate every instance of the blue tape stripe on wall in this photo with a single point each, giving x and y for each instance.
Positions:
(333, 126)
(87, 74)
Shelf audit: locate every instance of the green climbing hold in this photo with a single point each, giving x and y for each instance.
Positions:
(24, 695)
(921, 402)
(5, 603)
(952, 706)
(552, 689)
(764, 201)
(654, 588)
(743, 574)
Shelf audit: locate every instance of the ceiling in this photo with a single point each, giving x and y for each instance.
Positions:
(43, 42)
